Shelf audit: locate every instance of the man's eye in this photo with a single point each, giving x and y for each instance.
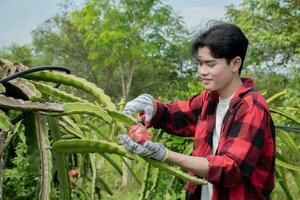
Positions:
(210, 64)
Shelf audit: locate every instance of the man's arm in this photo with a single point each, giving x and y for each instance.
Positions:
(196, 165)
(180, 117)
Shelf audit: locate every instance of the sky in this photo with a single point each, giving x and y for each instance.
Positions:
(19, 17)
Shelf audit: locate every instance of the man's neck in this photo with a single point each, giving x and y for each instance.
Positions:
(231, 88)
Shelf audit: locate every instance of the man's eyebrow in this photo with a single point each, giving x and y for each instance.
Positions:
(209, 61)
(206, 61)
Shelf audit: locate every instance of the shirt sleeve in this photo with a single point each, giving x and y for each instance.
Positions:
(180, 117)
(242, 149)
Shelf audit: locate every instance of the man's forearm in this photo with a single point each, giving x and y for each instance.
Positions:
(196, 165)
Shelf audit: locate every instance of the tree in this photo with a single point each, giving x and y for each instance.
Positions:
(128, 38)
(18, 53)
(60, 41)
(272, 28)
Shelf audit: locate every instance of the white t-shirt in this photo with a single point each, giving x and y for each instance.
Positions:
(206, 192)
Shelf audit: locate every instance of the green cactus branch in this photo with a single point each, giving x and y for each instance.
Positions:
(46, 157)
(57, 93)
(76, 82)
(282, 113)
(85, 108)
(59, 161)
(19, 104)
(274, 97)
(24, 88)
(89, 146)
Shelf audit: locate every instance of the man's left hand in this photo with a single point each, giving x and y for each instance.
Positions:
(149, 149)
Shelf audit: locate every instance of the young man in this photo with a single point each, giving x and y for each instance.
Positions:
(234, 137)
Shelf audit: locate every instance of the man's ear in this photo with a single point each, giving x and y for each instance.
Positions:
(235, 64)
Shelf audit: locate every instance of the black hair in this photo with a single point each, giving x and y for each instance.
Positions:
(224, 40)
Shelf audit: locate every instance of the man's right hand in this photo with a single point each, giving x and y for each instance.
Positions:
(144, 103)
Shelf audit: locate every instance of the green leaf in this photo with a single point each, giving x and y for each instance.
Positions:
(5, 124)
(113, 163)
(274, 97)
(282, 113)
(119, 116)
(145, 182)
(86, 108)
(105, 186)
(288, 140)
(130, 168)
(287, 165)
(57, 93)
(281, 178)
(2, 88)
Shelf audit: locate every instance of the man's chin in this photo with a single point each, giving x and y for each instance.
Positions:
(209, 89)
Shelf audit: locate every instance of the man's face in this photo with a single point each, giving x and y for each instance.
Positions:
(215, 73)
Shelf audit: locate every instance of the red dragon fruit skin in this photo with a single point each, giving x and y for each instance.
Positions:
(139, 134)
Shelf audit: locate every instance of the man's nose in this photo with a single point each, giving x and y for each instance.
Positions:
(202, 70)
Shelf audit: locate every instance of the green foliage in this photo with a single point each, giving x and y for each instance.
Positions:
(287, 161)
(57, 41)
(130, 37)
(272, 29)
(5, 124)
(19, 180)
(193, 87)
(18, 54)
(265, 83)
(2, 89)
(118, 45)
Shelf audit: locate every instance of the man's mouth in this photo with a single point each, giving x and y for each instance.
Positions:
(206, 80)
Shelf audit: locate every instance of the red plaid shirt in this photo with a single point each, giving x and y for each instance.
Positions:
(243, 167)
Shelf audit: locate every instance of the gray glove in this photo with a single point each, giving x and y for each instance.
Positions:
(149, 149)
(142, 104)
